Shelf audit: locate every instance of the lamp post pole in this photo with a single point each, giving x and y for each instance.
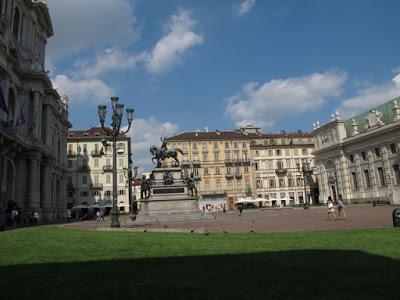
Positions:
(115, 131)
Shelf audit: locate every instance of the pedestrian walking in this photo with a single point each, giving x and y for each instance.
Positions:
(98, 216)
(240, 209)
(69, 215)
(35, 217)
(331, 209)
(14, 216)
(341, 207)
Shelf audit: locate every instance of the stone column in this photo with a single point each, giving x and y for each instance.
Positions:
(46, 186)
(34, 199)
(21, 189)
(37, 115)
(49, 125)
(345, 176)
(387, 167)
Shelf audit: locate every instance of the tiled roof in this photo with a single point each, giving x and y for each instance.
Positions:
(233, 135)
(90, 133)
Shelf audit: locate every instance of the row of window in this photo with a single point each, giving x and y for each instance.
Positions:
(84, 194)
(377, 152)
(96, 162)
(280, 152)
(217, 156)
(96, 179)
(281, 182)
(279, 164)
(208, 171)
(230, 185)
(381, 178)
(283, 196)
(227, 145)
(83, 148)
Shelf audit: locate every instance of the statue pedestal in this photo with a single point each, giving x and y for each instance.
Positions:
(169, 200)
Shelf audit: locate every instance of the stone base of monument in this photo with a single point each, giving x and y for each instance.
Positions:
(169, 200)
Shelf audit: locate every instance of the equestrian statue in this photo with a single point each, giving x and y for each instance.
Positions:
(160, 154)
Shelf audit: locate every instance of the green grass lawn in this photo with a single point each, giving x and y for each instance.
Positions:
(59, 263)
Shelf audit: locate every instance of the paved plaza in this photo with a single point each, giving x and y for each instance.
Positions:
(268, 220)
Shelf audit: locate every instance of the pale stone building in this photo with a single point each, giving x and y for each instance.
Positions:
(278, 167)
(90, 180)
(33, 117)
(229, 165)
(359, 157)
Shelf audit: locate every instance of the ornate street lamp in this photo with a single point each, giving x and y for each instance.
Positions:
(118, 111)
(306, 171)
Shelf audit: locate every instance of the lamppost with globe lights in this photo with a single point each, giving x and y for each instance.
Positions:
(115, 131)
(306, 170)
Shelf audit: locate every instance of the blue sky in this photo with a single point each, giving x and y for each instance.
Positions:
(184, 65)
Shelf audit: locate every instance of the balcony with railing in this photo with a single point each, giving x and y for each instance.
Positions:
(107, 168)
(238, 161)
(185, 163)
(96, 153)
(229, 176)
(196, 163)
(228, 162)
(246, 162)
(96, 186)
(281, 171)
(238, 176)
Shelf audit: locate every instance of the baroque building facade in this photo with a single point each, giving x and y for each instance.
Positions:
(90, 169)
(229, 165)
(33, 116)
(359, 157)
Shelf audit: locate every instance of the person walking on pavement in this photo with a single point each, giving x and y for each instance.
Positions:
(331, 209)
(341, 207)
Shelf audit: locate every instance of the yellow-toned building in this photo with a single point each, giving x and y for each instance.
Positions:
(229, 165)
(220, 162)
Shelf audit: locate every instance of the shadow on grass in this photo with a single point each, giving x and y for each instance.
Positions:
(292, 274)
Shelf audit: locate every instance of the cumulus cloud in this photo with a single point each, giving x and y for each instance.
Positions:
(178, 39)
(243, 7)
(146, 133)
(90, 24)
(265, 104)
(371, 96)
(92, 90)
(109, 60)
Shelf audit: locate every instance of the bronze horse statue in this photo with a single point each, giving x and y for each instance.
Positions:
(160, 154)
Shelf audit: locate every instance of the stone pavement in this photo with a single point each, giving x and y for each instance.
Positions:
(268, 220)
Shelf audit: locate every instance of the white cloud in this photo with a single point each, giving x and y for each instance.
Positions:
(178, 39)
(91, 90)
(146, 133)
(89, 24)
(244, 7)
(111, 59)
(281, 98)
(371, 96)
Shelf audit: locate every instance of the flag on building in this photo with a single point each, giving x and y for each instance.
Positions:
(21, 118)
